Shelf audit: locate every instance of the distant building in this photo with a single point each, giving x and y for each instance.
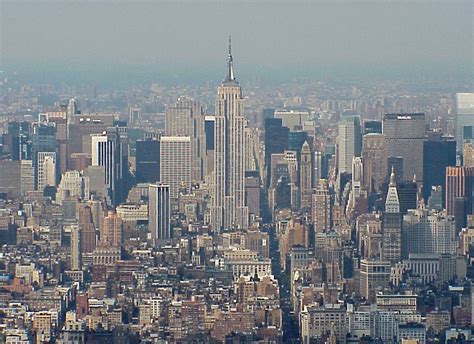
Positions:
(228, 209)
(46, 170)
(10, 177)
(111, 230)
(372, 127)
(317, 322)
(460, 193)
(468, 156)
(404, 136)
(349, 141)
(76, 255)
(175, 164)
(110, 150)
(374, 160)
(439, 152)
(392, 225)
(74, 184)
(321, 208)
(305, 176)
(147, 161)
(159, 213)
(374, 275)
(464, 119)
(292, 119)
(186, 118)
(428, 232)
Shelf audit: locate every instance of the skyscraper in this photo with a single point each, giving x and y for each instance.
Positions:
(134, 114)
(73, 183)
(147, 161)
(305, 176)
(61, 143)
(103, 154)
(321, 208)
(317, 173)
(375, 162)
(186, 118)
(228, 208)
(46, 170)
(110, 149)
(357, 177)
(44, 140)
(464, 119)
(404, 136)
(468, 157)
(159, 213)
(86, 225)
(349, 141)
(175, 164)
(275, 140)
(27, 177)
(111, 230)
(460, 189)
(392, 224)
(209, 146)
(14, 138)
(80, 131)
(438, 153)
(75, 248)
(407, 195)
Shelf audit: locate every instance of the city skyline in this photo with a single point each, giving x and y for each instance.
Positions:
(144, 208)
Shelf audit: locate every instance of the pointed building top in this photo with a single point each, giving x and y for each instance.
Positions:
(392, 202)
(230, 63)
(392, 177)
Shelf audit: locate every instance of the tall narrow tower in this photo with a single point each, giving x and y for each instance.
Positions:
(392, 224)
(228, 208)
(305, 176)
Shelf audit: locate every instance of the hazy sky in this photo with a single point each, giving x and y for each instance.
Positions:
(189, 38)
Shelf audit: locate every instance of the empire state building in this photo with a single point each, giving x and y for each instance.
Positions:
(228, 210)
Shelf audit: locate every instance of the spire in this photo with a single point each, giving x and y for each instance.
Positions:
(392, 177)
(230, 66)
